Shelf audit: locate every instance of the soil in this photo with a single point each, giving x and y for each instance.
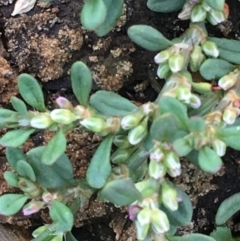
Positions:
(45, 42)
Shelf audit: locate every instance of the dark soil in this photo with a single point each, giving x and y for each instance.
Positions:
(46, 41)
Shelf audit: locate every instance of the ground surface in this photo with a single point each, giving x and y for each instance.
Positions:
(45, 42)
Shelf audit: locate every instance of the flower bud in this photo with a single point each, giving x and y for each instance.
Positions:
(219, 147)
(210, 49)
(32, 207)
(149, 108)
(198, 14)
(156, 170)
(137, 134)
(174, 172)
(159, 221)
(176, 62)
(163, 71)
(121, 141)
(227, 81)
(133, 211)
(206, 6)
(81, 112)
(163, 56)
(184, 94)
(122, 155)
(41, 121)
(142, 230)
(195, 101)
(196, 58)
(144, 216)
(94, 124)
(186, 11)
(169, 197)
(230, 115)
(63, 116)
(64, 103)
(156, 154)
(215, 17)
(130, 121)
(29, 187)
(172, 160)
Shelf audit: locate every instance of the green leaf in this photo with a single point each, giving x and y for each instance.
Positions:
(11, 203)
(120, 192)
(4, 116)
(227, 209)
(228, 44)
(62, 216)
(230, 56)
(171, 105)
(15, 138)
(81, 78)
(191, 237)
(93, 14)
(230, 136)
(70, 237)
(25, 170)
(57, 176)
(31, 91)
(182, 147)
(208, 160)
(183, 215)
(55, 149)
(164, 127)
(196, 124)
(215, 68)
(11, 178)
(215, 4)
(111, 104)
(114, 10)
(13, 156)
(222, 234)
(148, 37)
(100, 168)
(19, 106)
(165, 6)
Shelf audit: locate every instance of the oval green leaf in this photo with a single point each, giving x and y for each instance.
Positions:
(215, 68)
(11, 178)
(13, 156)
(10, 204)
(19, 106)
(93, 14)
(208, 160)
(31, 91)
(148, 37)
(164, 127)
(81, 79)
(62, 216)
(114, 10)
(230, 136)
(165, 6)
(100, 168)
(171, 105)
(55, 149)
(120, 192)
(57, 176)
(25, 170)
(222, 234)
(228, 44)
(111, 104)
(227, 209)
(15, 138)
